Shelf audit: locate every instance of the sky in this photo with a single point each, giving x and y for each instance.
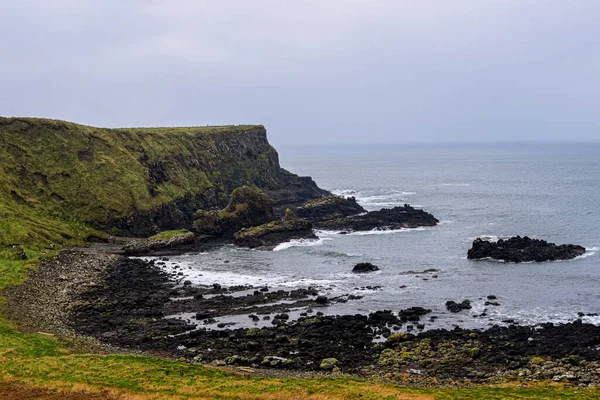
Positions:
(311, 71)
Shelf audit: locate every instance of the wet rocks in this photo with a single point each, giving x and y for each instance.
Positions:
(386, 218)
(455, 307)
(364, 267)
(523, 249)
(321, 300)
(412, 314)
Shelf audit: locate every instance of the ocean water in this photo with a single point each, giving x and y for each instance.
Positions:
(546, 191)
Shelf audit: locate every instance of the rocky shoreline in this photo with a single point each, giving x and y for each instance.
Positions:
(96, 297)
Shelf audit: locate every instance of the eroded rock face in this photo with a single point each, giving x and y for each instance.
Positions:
(523, 249)
(247, 207)
(330, 207)
(386, 218)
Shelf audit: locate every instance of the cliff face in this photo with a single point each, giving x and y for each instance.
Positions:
(130, 181)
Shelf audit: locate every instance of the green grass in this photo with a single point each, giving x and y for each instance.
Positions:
(40, 361)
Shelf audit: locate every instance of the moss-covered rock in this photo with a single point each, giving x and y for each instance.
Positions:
(274, 233)
(166, 240)
(247, 207)
(328, 363)
(329, 207)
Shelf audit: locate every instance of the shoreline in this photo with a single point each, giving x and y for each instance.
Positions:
(69, 296)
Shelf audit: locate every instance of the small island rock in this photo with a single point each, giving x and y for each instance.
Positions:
(523, 249)
(361, 268)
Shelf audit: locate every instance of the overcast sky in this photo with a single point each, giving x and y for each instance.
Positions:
(322, 71)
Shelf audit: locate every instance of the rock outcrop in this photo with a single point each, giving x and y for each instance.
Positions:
(386, 218)
(247, 208)
(275, 232)
(364, 267)
(330, 207)
(523, 249)
(455, 307)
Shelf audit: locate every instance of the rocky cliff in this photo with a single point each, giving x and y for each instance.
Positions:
(57, 177)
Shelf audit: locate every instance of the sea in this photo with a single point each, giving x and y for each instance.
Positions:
(548, 191)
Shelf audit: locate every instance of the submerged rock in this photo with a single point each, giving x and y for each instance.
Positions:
(364, 267)
(523, 249)
(386, 218)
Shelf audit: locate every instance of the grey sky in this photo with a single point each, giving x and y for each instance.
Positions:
(310, 71)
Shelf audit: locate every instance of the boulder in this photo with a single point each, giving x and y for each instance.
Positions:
(328, 363)
(330, 207)
(455, 307)
(247, 207)
(523, 249)
(412, 314)
(364, 267)
(386, 218)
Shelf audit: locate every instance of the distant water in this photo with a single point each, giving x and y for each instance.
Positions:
(548, 191)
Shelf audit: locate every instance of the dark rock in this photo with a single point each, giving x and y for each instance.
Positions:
(204, 315)
(412, 314)
(386, 218)
(364, 267)
(523, 249)
(491, 297)
(321, 300)
(455, 307)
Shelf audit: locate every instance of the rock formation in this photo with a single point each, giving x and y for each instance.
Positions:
(523, 249)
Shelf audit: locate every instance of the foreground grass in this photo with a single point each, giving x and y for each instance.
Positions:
(39, 360)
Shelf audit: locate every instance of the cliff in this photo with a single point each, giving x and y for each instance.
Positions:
(58, 178)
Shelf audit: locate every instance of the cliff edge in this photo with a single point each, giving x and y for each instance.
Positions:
(58, 178)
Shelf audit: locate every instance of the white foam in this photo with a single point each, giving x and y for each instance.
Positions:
(387, 231)
(490, 238)
(301, 243)
(589, 251)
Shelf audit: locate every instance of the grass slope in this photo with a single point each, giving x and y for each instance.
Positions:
(57, 178)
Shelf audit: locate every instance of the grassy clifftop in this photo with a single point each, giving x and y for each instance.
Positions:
(57, 178)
